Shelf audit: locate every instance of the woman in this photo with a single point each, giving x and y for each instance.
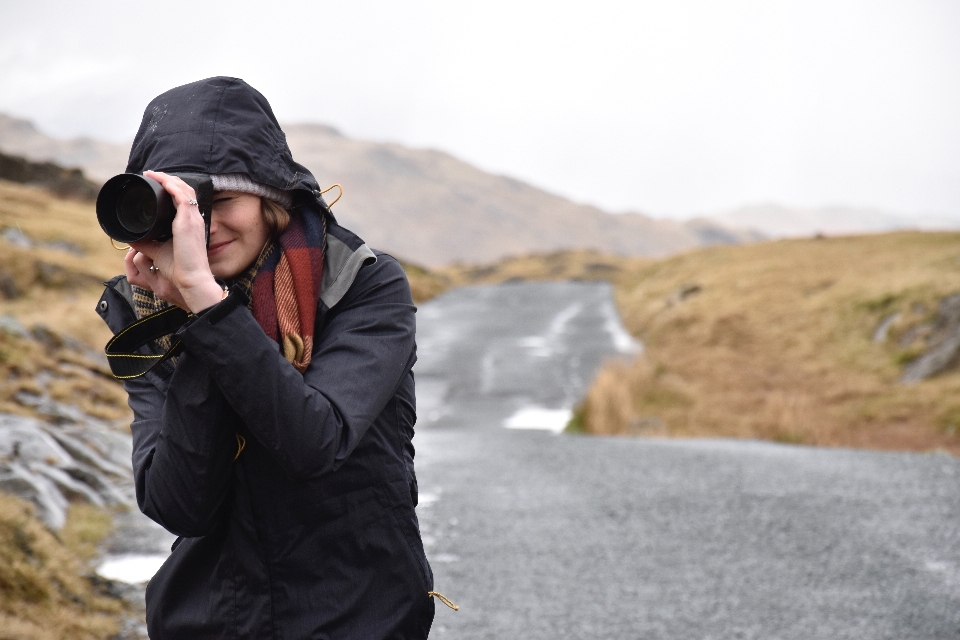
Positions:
(277, 445)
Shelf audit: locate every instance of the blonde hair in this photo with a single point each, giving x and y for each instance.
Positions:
(276, 217)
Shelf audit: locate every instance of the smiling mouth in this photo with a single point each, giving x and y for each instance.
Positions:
(216, 248)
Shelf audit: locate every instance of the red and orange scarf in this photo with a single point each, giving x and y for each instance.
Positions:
(287, 287)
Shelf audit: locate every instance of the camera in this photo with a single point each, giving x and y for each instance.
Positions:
(133, 208)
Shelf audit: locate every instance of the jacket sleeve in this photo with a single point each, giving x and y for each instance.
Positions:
(182, 450)
(312, 422)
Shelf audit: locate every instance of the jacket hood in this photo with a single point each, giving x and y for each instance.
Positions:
(218, 126)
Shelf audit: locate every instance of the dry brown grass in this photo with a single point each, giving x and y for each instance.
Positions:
(44, 591)
(424, 283)
(770, 340)
(57, 288)
(73, 378)
(560, 265)
(774, 341)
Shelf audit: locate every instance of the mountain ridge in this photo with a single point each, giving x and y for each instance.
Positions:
(424, 205)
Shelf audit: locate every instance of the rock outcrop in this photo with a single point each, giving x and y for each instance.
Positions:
(943, 340)
(63, 434)
(51, 465)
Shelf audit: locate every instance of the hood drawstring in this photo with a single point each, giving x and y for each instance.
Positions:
(442, 598)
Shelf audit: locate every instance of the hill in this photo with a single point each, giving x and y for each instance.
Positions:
(807, 341)
(99, 160)
(433, 209)
(423, 205)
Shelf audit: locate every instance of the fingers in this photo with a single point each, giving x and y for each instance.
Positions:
(147, 248)
(188, 221)
(131, 269)
(139, 273)
(143, 276)
(180, 191)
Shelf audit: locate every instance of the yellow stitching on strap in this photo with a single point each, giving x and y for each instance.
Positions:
(241, 444)
(442, 598)
(139, 322)
(132, 355)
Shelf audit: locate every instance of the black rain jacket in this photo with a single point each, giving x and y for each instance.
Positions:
(310, 530)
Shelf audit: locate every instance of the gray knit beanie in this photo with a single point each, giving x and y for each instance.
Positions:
(241, 182)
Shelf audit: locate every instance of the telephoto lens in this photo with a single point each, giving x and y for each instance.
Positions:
(133, 208)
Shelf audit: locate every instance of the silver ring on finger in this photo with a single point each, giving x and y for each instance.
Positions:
(154, 269)
(192, 201)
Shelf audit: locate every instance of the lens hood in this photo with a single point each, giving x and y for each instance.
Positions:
(135, 208)
(132, 207)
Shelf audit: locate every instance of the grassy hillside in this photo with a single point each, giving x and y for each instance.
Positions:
(46, 590)
(58, 280)
(776, 341)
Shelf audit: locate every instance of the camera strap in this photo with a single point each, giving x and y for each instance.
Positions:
(121, 351)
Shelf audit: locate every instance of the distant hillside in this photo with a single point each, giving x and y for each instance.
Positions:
(99, 160)
(776, 221)
(67, 183)
(424, 205)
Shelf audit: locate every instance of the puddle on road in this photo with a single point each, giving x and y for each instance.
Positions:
(554, 420)
(131, 568)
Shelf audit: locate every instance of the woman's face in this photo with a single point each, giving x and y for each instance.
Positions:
(237, 233)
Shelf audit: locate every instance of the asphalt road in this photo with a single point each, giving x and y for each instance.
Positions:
(540, 535)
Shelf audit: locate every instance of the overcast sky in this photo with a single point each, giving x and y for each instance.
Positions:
(672, 108)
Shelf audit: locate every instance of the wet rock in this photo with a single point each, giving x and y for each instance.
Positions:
(72, 489)
(944, 341)
(8, 285)
(12, 326)
(17, 238)
(883, 329)
(685, 291)
(45, 336)
(83, 453)
(50, 467)
(51, 505)
(22, 439)
(46, 406)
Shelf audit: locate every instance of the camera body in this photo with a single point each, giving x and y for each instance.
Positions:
(134, 208)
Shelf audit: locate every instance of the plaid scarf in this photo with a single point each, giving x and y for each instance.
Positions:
(283, 287)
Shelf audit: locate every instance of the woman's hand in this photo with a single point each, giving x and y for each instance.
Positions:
(182, 275)
(137, 266)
